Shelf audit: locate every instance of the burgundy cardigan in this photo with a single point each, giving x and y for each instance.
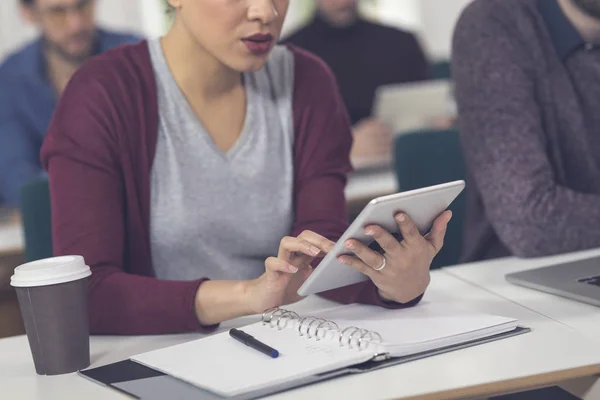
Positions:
(99, 151)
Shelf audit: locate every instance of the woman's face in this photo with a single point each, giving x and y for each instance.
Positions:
(238, 33)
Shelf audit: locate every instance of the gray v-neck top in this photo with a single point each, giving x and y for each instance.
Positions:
(220, 214)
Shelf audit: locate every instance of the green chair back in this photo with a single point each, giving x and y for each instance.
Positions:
(427, 158)
(37, 225)
(441, 70)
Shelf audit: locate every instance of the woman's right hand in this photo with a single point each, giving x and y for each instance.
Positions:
(218, 301)
(285, 273)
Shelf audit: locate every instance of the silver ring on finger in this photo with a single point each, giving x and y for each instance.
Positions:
(382, 264)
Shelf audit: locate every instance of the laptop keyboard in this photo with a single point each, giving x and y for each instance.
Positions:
(594, 280)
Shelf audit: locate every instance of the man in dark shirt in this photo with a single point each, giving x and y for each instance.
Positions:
(32, 78)
(363, 56)
(527, 76)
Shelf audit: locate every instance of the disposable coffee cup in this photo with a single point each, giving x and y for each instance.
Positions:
(52, 297)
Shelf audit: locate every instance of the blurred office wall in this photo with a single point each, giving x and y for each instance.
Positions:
(13, 31)
(298, 14)
(432, 20)
(438, 18)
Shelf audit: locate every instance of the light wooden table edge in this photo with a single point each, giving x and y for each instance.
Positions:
(511, 385)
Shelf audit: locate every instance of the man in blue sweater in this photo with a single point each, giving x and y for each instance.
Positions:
(32, 79)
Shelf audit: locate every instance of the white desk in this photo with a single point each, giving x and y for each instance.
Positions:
(551, 353)
(490, 276)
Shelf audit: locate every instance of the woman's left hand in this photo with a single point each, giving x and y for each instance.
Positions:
(402, 273)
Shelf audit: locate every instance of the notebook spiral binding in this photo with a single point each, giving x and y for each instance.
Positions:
(318, 328)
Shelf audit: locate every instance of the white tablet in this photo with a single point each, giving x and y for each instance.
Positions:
(422, 205)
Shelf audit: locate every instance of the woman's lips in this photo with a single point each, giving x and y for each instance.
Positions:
(259, 44)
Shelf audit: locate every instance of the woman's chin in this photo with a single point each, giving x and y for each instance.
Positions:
(250, 63)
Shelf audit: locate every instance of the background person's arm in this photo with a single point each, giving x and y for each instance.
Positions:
(505, 147)
(19, 149)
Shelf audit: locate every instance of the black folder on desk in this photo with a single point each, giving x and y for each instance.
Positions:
(192, 371)
(144, 383)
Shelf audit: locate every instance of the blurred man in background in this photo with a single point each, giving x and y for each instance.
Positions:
(32, 79)
(363, 56)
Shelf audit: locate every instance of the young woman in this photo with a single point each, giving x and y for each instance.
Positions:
(202, 173)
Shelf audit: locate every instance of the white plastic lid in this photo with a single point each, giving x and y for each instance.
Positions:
(50, 271)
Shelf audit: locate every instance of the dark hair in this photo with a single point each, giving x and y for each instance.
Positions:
(27, 2)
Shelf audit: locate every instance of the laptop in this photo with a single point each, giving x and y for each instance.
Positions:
(576, 280)
(413, 106)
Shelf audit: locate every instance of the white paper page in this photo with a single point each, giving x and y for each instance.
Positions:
(227, 367)
(424, 327)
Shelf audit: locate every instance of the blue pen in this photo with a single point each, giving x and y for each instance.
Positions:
(250, 341)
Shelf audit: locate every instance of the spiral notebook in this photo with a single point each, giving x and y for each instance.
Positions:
(318, 344)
